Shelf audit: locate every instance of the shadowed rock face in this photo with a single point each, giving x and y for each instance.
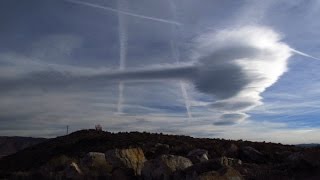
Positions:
(251, 155)
(132, 158)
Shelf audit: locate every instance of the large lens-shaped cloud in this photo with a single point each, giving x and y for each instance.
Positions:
(237, 65)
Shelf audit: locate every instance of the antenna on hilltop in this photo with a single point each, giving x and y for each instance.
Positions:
(67, 129)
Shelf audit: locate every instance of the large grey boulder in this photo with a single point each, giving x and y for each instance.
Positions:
(198, 155)
(132, 158)
(164, 166)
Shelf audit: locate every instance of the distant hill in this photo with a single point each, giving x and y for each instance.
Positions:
(260, 160)
(10, 145)
(308, 145)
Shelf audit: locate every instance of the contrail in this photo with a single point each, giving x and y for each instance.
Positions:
(186, 99)
(120, 98)
(124, 12)
(176, 56)
(123, 40)
(304, 54)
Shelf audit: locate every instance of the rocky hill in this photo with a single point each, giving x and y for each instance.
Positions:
(10, 145)
(91, 154)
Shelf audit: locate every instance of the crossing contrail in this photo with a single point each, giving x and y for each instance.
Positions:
(124, 12)
(304, 54)
(123, 40)
(176, 56)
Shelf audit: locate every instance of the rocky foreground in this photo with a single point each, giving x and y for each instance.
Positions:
(90, 154)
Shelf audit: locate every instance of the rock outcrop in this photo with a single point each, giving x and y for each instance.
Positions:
(132, 158)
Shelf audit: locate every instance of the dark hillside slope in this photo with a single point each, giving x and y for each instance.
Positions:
(10, 145)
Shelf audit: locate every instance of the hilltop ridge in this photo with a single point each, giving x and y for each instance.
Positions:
(258, 159)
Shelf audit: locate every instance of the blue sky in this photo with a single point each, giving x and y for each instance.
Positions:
(56, 57)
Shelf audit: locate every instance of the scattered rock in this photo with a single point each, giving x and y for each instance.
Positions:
(198, 155)
(225, 161)
(164, 166)
(211, 165)
(250, 154)
(132, 158)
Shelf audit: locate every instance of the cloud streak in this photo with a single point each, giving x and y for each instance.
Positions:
(176, 56)
(123, 12)
(123, 40)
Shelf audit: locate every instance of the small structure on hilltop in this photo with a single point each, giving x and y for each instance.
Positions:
(98, 127)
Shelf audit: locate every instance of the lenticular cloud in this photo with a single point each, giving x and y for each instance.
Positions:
(237, 65)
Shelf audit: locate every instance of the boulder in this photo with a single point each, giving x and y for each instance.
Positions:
(250, 154)
(164, 166)
(198, 155)
(73, 171)
(227, 173)
(199, 168)
(208, 166)
(132, 158)
(96, 162)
